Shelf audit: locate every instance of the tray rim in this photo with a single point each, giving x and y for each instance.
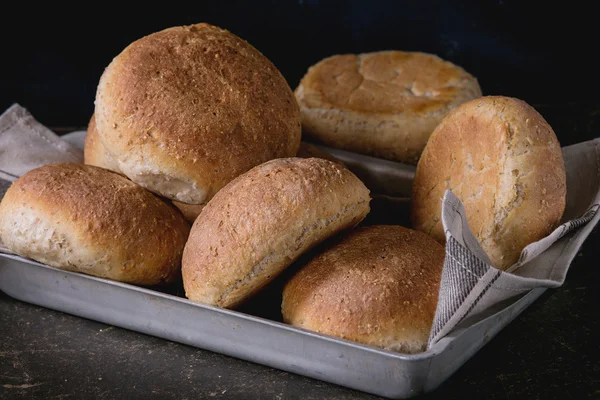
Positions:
(431, 353)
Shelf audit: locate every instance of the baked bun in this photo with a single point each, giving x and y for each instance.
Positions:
(185, 110)
(86, 219)
(262, 221)
(383, 104)
(503, 161)
(378, 286)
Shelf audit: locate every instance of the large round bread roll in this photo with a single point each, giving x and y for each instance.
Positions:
(262, 221)
(87, 219)
(185, 110)
(503, 161)
(94, 153)
(383, 104)
(378, 286)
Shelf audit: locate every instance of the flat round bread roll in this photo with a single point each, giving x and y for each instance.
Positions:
(262, 221)
(503, 161)
(86, 219)
(383, 104)
(378, 286)
(185, 110)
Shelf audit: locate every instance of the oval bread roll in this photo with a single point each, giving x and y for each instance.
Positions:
(503, 161)
(262, 221)
(185, 110)
(378, 286)
(87, 219)
(384, 104)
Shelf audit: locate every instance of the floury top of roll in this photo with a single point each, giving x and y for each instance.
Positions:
(185, 110)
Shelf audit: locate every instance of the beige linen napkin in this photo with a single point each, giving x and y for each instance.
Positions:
(470, 285)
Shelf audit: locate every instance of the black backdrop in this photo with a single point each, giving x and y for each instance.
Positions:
(540, 52)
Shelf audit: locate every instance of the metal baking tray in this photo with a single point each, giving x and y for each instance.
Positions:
(255, 331)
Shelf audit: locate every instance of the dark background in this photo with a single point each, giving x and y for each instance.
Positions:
(540, 52)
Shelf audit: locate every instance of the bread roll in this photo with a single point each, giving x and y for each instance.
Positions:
(383, 104)
(262, 221)
(185, 110)
(503, 161)
(378, 286)
(87, 219)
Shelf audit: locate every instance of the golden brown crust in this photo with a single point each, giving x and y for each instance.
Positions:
(384, 104)
(378, 286)
(90, 220)
(263, 220)
(502, 159)
(187, 109)
(94, 152)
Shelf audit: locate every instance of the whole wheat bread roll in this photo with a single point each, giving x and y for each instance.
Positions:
(94, 153)
(384, 104)
(87, 219)
(262, 221)
(185, 110)
(378, 286)
(503, 161)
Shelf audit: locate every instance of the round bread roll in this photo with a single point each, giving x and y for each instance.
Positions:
(503, 161)
(383, 104)
(94, 153)
(378, 286)
(262, 221)
(185, 110)
(86, 219)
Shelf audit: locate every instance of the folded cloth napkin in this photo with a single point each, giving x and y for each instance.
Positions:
(470, 286)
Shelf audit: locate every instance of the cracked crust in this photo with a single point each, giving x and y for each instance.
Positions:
(384, 104)
(185, 110)
(87, 219)
(378, 286)
(504, 162)
(262, 221)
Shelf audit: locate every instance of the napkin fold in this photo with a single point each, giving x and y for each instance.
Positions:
(470, 286)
